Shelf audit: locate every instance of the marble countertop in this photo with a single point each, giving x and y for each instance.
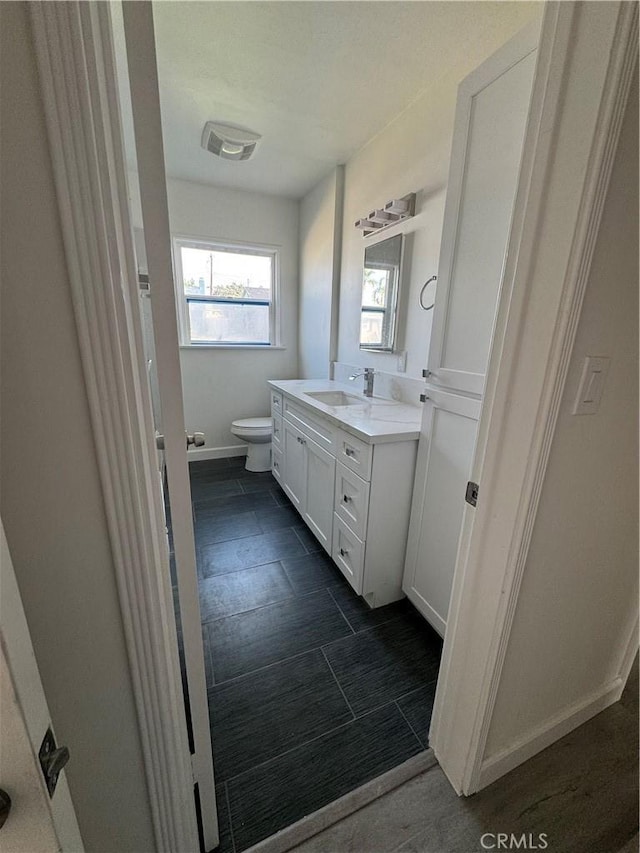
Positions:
(373, 419)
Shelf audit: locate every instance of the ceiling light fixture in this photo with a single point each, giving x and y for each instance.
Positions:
(230, 143)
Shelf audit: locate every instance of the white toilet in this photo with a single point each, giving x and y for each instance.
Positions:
(257, 433)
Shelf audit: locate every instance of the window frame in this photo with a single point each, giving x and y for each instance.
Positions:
(388, 310)
(180, 241)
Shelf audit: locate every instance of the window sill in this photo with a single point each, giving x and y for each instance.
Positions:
(261, 347)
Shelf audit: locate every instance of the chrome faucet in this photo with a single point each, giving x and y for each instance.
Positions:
(368, 374)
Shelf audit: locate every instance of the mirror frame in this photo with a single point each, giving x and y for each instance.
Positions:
(395, 299)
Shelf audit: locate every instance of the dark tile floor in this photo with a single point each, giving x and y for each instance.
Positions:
(311, 693)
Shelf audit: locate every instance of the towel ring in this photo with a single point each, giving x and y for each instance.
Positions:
(424, 287)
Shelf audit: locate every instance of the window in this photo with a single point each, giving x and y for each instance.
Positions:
(226, 294)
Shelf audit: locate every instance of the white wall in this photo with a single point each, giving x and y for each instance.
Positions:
(579, 596)
(320, 251)
(410, 155)
(221, 385)
(51, 500)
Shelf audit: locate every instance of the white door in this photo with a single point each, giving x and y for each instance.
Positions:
(37, 822)
(145, 102)
(318, 508)
(491, 115)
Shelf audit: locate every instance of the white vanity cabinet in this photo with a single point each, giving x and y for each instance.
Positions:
(354, 495)
(308, 478)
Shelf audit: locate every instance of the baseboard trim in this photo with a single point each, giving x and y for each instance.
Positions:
(201, 453)
(549, 732)
(325, 817)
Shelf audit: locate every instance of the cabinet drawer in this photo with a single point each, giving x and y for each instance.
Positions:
(348, 553)
(355, 454)
(276, 463)
(352, 499)
(276, 403)
(277, 431)
(315, 426)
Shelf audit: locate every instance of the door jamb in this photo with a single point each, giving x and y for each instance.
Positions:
(75, 59)
(523, 395)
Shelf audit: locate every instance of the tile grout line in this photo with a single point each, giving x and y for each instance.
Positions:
(268, 666)
(244, 568)
(343, 616)
(204, 504)
(415, 689)
(250, 609)
(231, 833)
(344, 695)
(206, 544)
(295, 533)
(415, 734)
(307, 742)
(211, 667)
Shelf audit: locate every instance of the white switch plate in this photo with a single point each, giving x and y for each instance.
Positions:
(402, 361)
(594, 374)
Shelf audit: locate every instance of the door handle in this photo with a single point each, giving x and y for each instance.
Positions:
(195, 438)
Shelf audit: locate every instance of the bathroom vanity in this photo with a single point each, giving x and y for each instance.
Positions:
(347, 464)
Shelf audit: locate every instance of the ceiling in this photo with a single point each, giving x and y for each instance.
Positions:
(317, 79)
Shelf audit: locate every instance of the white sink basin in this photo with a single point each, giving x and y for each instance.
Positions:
(335, 398)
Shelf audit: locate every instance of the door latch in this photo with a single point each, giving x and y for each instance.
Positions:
(195, 439)
(471, 496)
(52, 759)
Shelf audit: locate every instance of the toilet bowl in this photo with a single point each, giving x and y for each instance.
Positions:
(257, 434)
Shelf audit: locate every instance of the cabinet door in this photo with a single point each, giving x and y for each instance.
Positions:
(438, 502)
(295, 464)
(491, 117)
(318, 507)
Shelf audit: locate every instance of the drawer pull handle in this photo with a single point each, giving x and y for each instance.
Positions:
(346, 498)
(344, 552)
(301, 440)
(349, 451)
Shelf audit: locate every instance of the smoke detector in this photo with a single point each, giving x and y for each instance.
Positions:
(230, 143)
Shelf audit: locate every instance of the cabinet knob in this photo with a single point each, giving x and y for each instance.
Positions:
(344, 552)
(349, 451)
(346, 498)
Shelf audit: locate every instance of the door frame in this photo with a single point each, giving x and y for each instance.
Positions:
(73, 46)
(535, 329)
(74, 50)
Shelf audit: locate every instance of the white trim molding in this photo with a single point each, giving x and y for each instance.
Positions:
(549, 732)
(586, 61)
(228, 452)
(75, 59)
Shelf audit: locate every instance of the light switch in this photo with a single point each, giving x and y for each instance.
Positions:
(594, 374)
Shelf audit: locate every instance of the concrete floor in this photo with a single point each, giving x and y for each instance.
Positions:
(582, 792)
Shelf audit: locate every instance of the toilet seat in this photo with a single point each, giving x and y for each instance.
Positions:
(254, 425)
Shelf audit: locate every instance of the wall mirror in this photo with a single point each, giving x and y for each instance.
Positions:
(380, 294)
